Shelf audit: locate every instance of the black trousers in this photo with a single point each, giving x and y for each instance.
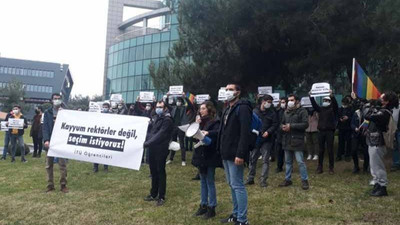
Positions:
(178, 134)
(325, 138)
(280, 154)
(344, 143)
(37, 146)
(359, 143)
(157, 159)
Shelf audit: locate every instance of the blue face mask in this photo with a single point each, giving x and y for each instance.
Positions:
(159, 111)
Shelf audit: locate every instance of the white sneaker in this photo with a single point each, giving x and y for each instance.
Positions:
(309, 157)
(168, 162)
(183, 163)
(371, 182)
(315, 157)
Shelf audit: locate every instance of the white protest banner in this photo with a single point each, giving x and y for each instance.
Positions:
(202, 98)
(16, 123)
(320, 89)
(275, 96)
(92, 137)
(4, 126)
(305, 102)
(265, 90)
(146, 96)
(116, 98)
(221, 94)
(95, 106)
(176, 90)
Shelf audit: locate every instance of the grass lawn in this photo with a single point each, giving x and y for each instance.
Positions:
(27, 139)
(117, 197)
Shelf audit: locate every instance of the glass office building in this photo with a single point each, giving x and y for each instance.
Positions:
(133, 48)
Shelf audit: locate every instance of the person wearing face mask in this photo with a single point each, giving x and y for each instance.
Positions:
(328, 115)
(50, 116)
(144, 109)
(233, 143)
(157, 141)
(122, 110)
(344, 126)
(312, 134)
(36, 132)
(206, 159)
(278, 142)
(6, 138)
(294, 124)
(183, 112)
(114, 107)
(18, 134)
(269, 118)
(105, 109)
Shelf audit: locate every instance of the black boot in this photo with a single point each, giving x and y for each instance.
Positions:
(374, 189)
(210, 213)
(201, 211)
(197, 177)
(381, 191)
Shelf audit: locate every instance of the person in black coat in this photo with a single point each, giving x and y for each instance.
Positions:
(233, 144)
(157, 141)
(37, 133)
(206, 159)
(267, 113)
(344, 127)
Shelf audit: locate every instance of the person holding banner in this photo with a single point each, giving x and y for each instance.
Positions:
(233, 144)
(206, 159)
(49, 119)
(105, 109)
(17, 134)
(157, 141)
(6, 138)
(37, 133)
(328, 115)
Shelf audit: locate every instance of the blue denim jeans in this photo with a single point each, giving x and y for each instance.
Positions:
(6, 142)
(234, 177)
(289, 164)
(14, 138)
(396, 151)
(207, 186)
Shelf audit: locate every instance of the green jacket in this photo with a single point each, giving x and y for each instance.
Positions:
(298, 120)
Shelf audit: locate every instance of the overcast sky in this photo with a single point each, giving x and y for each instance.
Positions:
(62, 31)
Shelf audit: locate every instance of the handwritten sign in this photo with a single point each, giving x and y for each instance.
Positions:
(176, 90)
(305, 102)
(265, 90)
(221, 94)
(275, 96)
(116, 98)
(320, 89)
(202, 98)
(95, 106)
(4, 126)
(146, 96)
(16, 123)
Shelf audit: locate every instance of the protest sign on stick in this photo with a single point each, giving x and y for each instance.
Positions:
(320, 89)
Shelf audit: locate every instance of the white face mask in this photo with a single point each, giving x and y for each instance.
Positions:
(113, 105)
(57, 102)
(267, 105)
(283, 105)
(291, 104)
(230, 95)
(120, 107)
(16, 111)
(178, 103)
(148, 108)
(326, 104)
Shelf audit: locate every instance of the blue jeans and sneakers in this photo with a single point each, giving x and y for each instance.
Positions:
(20, 139)
(234, 177)
(289, 169)
(208, 194)
(6, 142)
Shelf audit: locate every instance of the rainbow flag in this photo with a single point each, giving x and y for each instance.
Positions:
(191, 97)
(364, 125)
(362, 85)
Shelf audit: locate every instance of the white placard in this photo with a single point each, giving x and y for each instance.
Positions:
(176, 90)
(16, 123)
(146, 96)
(116, 98)
(221, 94)
(265, 90)
(95, 106)
(91, 137)
(320, 89)
(3, 126)
(202, 98)
(275, 96)
(305, 102)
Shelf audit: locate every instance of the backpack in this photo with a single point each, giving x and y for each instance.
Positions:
(255, 128)
(389, 135)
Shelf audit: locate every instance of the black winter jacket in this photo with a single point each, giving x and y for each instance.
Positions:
(298, 120)
(270, 123)
(379, 121)
(234, 135)
(346, 124)
(328, 116)
(20, 131)
(159, 132)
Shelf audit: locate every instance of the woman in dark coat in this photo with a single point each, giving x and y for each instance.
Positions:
(206, 159)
